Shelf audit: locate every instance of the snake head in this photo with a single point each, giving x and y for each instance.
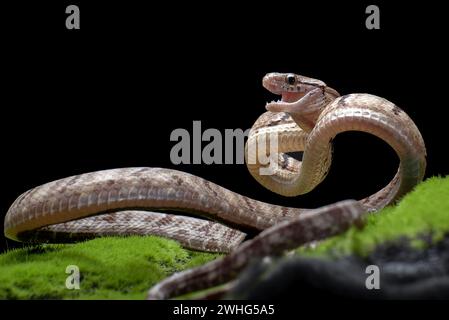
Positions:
(290, 86)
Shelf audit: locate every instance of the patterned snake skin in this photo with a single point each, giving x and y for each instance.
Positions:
(307, 118)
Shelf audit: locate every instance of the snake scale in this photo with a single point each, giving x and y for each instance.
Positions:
(308, 116)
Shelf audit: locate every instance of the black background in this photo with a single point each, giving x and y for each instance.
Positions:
(110, 94)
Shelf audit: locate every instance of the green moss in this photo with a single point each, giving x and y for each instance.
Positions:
(110, 268)
(423, 212)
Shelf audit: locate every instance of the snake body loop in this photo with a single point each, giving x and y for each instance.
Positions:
(307, 118)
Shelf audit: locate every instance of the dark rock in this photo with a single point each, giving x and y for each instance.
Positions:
(405, 273)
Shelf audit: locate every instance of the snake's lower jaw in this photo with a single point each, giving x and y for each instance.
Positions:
(277, 106)
(282, 106)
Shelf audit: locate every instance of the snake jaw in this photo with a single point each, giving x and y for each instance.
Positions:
(279, 106)
(291, 96)
(286, 104)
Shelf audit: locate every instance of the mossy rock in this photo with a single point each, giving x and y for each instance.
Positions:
(422, 217)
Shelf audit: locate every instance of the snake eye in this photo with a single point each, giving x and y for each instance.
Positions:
(291, 79)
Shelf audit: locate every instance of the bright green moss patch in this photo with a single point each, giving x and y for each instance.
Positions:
(423, 212)
(110, 268)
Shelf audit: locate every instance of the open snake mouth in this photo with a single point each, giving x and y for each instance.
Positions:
(291, 96)
(285, 103)
(288, 97)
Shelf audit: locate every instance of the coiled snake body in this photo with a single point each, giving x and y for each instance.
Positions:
(307, 118)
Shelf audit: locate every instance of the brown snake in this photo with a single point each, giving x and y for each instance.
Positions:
(309, 116)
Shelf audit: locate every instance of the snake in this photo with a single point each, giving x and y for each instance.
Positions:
(204, 216)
